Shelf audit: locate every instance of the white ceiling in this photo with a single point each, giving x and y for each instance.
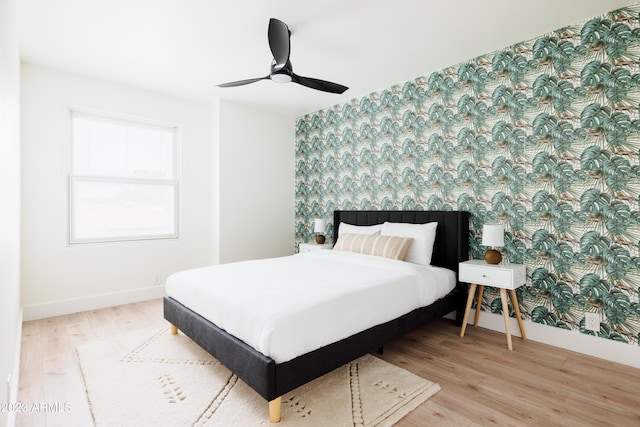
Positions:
(186, 47)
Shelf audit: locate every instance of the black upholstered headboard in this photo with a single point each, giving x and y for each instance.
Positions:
(452, 235)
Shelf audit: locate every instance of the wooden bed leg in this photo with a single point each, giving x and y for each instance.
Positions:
(274, 409)
(174, 330)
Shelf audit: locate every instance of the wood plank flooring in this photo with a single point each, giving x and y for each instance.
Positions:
(482, 383)
(49, 371)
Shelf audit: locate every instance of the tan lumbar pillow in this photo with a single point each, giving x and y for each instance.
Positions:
(384, 246)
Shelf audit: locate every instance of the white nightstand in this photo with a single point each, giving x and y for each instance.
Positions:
(308, 247)
(504, 276)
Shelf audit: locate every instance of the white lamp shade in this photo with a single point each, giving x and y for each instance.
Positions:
(493, 235)
(320, 225)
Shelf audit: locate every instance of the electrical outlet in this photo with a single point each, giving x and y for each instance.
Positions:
(592, 322)
(156, 279)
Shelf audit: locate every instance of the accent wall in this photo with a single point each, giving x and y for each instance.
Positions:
(542, 137)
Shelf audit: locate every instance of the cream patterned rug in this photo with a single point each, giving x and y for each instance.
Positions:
(153, 378)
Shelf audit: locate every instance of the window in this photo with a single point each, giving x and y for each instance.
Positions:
(123, 181)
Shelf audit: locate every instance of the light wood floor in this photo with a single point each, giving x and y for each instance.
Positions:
(482, 383)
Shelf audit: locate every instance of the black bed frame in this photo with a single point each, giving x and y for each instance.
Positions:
(272, 380)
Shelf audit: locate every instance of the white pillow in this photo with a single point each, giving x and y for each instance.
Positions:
(358, 229)
(423, 236)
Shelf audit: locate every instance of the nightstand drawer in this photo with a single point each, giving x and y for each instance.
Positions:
(485, 276)
(308, 247)
(509, 276)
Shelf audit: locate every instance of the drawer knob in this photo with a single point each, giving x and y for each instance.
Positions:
(484, 275)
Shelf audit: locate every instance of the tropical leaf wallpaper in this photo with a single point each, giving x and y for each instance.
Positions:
(542, 137)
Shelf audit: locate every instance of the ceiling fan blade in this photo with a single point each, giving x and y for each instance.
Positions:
(279, 42)
(318, 84)
(242, 82)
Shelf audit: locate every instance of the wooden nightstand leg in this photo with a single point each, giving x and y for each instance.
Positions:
(505, 314)
(516, 308)
(478, 305)
(472, 292)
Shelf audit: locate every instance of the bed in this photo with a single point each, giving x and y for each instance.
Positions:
(272, 377)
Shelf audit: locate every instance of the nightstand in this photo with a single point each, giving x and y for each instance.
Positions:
(504, 276)
(308, 247)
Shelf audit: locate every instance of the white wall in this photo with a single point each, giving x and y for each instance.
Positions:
(255, 193)
(9, 203)
(58, 278)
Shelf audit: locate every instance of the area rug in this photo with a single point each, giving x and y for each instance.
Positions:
(153, 378)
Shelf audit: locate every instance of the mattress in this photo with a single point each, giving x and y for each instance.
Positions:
(288, 306)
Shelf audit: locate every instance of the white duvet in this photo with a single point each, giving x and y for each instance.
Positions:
(288, 306)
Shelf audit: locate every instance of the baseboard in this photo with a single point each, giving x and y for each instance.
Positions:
(602, 348)
(94, 302)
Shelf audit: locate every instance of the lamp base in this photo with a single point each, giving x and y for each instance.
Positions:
(492, 256)
(320, 239)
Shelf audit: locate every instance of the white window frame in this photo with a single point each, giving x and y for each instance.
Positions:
(78, 178)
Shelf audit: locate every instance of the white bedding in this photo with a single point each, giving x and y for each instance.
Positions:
(288, 306)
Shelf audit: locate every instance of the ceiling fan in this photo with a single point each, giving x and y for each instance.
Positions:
(281, 69)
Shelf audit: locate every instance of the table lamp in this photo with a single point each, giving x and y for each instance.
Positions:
(320, 226)
(492, 236)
